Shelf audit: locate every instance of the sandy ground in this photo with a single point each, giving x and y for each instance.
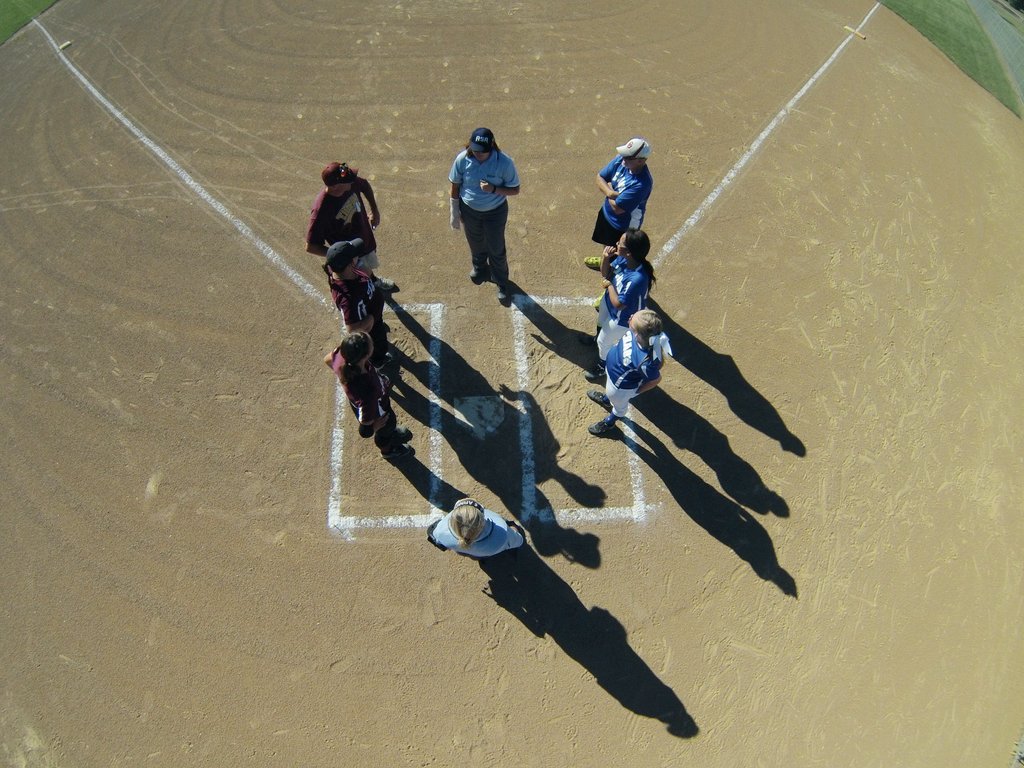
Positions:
(825, 576)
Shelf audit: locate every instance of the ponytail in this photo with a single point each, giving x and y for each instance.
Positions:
(466, 521)
(648, 268)
(639, 245)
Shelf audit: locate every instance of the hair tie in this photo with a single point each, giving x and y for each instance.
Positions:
(659, 346)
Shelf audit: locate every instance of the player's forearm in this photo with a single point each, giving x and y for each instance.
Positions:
(613, 295)
(371, 201)
(606, 189)
(361, 325)
(496, 190)
(648, 385)
(317, 250)
(606, 263)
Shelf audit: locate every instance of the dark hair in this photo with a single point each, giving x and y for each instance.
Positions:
(639, 245)
(353, 348)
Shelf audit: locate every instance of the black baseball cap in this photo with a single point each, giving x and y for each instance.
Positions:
(343, 253)
(481, 140)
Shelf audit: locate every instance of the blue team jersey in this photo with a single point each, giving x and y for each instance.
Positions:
(498, 169)
(633, 287)
(629, 365)
(633, 189)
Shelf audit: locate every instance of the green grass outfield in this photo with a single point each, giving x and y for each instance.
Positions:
(954, 29)
(14, 14)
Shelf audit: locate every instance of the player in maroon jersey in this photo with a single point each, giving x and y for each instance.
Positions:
(357, 298)
(368, 392)
(340, 213)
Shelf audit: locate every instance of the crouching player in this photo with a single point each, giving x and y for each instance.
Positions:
(633, 367)
(367, 390)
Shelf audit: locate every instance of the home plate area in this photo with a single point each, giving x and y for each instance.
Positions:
(500, 437)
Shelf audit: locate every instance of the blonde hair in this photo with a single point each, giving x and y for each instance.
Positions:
(647, 323)
(466, 521)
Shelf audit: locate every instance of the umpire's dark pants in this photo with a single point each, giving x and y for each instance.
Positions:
(485, 233)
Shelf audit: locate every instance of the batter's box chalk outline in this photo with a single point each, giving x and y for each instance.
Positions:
(346, 526)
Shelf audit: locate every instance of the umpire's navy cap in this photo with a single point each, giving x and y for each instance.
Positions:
(481, 140)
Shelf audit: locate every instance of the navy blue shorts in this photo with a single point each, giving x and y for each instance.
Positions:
(605, 233)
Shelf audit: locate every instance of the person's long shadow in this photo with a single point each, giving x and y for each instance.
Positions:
(484, 461)
(722, 373)
(554, 335)
(721, 517)
(527, 588)
(548, 536)
(691, 432)
(434, 489)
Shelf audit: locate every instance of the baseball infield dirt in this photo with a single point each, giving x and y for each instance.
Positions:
(820, 567)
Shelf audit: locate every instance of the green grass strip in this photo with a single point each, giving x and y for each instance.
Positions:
(954, 29)
(15, 14)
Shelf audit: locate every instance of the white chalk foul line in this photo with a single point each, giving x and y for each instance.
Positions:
(346, 525)
(702, 209)
(243, 229)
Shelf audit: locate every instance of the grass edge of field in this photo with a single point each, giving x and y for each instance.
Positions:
(952, 27)
(15, 14)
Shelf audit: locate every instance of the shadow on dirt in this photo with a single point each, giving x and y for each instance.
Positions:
(489, 465)
(721, 517)
(692, 432)
(527, 587)
(722, 373)
(554, 335)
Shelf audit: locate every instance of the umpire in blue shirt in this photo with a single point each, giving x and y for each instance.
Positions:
(482, 177)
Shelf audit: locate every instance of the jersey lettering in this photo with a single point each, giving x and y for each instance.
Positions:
(348, 210)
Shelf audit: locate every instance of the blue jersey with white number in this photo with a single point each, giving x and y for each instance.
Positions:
(629, 365)
(633, 189)
(632, 285)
